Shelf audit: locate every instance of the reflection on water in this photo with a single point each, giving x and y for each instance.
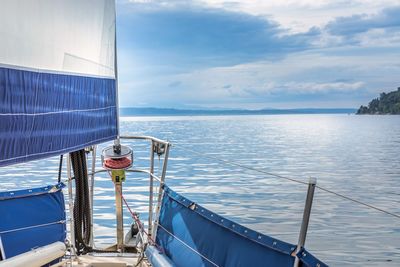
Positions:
(355, 155)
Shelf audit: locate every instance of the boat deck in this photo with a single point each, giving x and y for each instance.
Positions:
(106, 260)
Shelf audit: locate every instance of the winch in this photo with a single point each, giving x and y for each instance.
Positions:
(117, 159)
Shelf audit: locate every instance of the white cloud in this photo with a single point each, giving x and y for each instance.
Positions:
(358, 64)
(301, 15)
(300, 74)
(378, 38)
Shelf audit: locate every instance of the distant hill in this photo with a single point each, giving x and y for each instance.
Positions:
(387, 103)
(206, 112)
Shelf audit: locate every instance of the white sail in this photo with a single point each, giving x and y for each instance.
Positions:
(74, 36)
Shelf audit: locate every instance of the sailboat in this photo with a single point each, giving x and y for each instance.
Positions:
(59, 97)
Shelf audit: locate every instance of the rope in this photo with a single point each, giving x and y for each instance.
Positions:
(139, 223)
(142, 255)
(139, 261)
(292, 180)
(81, 209)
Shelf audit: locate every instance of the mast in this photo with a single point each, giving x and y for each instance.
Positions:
(117, 146)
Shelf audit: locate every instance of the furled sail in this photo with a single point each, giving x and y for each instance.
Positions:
(57, 77)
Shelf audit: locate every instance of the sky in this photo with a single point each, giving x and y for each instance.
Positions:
(255, 54)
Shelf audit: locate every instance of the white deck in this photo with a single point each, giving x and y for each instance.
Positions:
(106, 260)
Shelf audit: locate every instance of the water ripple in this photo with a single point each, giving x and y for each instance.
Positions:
(354, 155)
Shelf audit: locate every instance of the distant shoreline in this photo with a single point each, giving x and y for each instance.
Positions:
(143, 112)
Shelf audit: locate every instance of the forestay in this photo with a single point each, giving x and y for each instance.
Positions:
(191, 235)
(57, 77)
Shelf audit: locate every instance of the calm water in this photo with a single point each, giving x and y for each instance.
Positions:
(355, 155)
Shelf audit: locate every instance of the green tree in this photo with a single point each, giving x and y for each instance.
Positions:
(387, 103)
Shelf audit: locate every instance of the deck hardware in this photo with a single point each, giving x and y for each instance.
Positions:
(53, 189)
(71, 205)
(306, 218)
(159, 148)
(117, 159)
(151, 189)
(91, 192)
(112, 160)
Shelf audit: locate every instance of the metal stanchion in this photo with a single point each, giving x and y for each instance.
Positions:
(306, 218)
(150, 227)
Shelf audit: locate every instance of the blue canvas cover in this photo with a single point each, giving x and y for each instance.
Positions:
(31, 218)
(47, 114)
(191, 235)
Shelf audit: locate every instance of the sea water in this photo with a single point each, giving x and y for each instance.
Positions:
(357, 156)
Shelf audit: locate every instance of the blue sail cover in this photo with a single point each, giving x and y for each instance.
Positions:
(67, 113)
(191, 235)
(31, 218)
(57, 78)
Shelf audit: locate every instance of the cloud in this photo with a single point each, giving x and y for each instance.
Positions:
(193, 36)
(172, 53)
(301, 88)
(361, 23)
(177, 36)
(301, 15)
(175, 84)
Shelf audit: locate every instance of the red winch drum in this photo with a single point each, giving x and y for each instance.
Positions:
(117, 158)
(118, 163)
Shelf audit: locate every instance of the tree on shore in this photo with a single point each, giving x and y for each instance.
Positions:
(387, 103)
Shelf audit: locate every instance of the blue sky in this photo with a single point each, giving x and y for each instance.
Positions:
(257, 54)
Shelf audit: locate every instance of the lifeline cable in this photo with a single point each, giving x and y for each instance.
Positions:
(292, 180)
